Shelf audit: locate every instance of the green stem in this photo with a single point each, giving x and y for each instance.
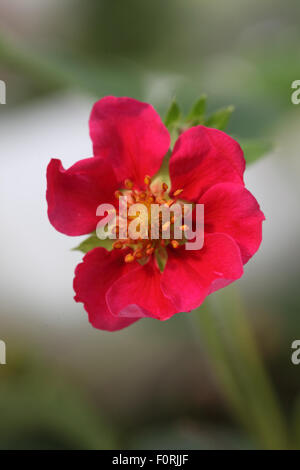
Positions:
(232, 349)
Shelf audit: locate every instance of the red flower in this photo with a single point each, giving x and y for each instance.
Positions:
(119, 287)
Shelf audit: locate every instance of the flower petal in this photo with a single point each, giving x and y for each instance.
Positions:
(203, 157)
(131, 135)
(231, 209)
(73, 195)
(189, 275)
(93, 277)
(140, 291)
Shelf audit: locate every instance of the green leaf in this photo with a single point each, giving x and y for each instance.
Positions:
(163, 175)
(173, 115)
(254, 149)
(93, 242)
(197, 113)
(220, 118)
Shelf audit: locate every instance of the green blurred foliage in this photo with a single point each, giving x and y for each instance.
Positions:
(187, 436)
(115, 29)
(41, 409)
(248, 58)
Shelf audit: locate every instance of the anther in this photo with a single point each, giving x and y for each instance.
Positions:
(164, 187)
(129, 258)
(177, 192)
(128, 184)
(149, 251)
(118, 194)
(174, 243)
(117, 245)
(169, 202)
(138, 254)
(147, 180)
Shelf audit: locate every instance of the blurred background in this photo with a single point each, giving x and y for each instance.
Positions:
(218, 378)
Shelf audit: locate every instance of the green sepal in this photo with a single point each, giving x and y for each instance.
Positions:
(161, 258)
(220, 118)
(173, 115)
(163, 175)
(93, 242)
(196, 115)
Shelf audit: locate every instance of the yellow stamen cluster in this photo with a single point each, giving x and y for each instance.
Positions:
(142, 248)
